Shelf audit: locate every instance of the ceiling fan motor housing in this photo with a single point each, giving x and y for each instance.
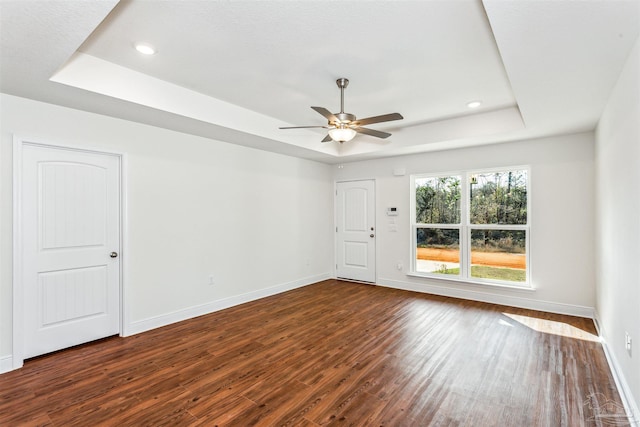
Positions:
(345, 117)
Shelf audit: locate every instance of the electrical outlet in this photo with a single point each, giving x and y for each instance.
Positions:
(211, 281)
(627, 342)
(399, 265)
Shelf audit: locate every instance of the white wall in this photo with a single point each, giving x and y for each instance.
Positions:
(618, 214)
(562, 222)
(253, 219)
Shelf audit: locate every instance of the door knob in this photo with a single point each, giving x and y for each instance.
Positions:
(113, 254)
(370, 235)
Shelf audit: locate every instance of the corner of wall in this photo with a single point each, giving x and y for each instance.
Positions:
(630, 406)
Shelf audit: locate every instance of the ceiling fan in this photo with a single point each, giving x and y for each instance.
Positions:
(344, 126)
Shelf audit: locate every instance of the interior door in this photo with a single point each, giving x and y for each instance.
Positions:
(356, 251)
(70, 228)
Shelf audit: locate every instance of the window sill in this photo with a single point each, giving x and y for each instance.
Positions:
(526, 288)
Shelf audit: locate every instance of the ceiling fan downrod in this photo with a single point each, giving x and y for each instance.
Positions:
(343, 118)
(342, 84)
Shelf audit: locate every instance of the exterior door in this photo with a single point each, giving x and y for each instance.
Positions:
(356, 251)
(70, 239)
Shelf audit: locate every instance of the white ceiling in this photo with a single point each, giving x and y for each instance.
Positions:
(237, 70)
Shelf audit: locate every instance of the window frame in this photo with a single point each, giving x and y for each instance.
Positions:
(466, 227)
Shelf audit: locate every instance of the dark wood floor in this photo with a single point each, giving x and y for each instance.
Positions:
(333, 353)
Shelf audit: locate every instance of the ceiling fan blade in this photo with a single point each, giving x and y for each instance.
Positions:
(303, 127)
(326, 113)
(372, 132)
(327, 138)
(379, 119)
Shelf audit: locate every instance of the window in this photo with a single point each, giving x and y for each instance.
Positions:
(472, 226)
(437, 200)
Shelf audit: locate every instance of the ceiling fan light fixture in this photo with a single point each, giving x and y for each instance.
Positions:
(342, 134)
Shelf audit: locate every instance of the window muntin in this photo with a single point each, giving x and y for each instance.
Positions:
(472, 225)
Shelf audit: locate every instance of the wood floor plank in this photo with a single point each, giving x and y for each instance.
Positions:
(100, 412)
(332, 353)
(167, 409)
(220, 410)
(273, 401)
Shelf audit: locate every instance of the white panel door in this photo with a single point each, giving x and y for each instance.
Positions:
(70, 227)
(356, 251)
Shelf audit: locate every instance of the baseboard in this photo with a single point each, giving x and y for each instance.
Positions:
(6, 364)
(210, 307)
(512, 301)
(630, 406)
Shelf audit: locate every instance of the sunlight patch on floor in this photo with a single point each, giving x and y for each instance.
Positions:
(553, 327)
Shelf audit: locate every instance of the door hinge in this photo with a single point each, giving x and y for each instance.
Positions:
(336, 229)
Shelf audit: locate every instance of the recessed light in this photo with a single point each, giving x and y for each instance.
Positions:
(474, 104)
(145, 49)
